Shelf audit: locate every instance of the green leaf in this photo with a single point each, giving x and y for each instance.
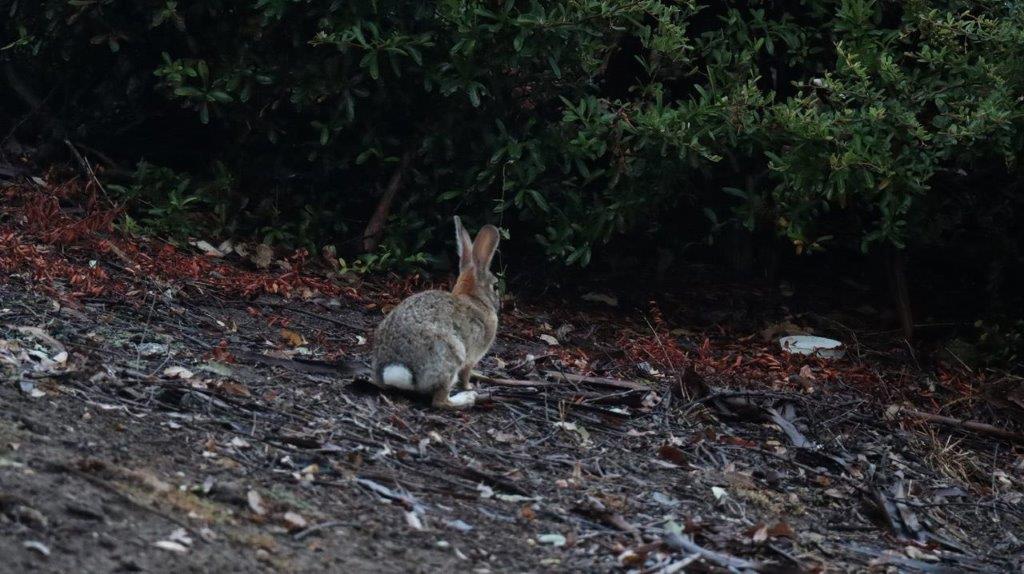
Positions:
(448, 195)
(369, 62)
(361, 158)
(221, 97)
(539, 200)
(554, 67)
(187, 92)
(485, 13)
(415, 55)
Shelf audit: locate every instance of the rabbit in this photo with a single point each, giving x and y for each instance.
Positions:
(431, 341)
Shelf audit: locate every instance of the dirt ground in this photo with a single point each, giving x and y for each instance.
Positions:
(156, 423)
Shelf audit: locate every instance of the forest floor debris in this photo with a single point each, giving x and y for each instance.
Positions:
(166, 410)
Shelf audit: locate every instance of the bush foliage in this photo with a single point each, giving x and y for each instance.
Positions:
(849, 123)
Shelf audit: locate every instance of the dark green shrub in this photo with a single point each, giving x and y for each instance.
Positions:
(849, 123)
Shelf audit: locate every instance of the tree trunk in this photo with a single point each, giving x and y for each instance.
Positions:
(375, 228)
(896, 270)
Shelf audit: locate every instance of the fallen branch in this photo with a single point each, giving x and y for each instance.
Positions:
(316, 528)
(511, 382)
(600, 381)
(680, 542)
(964, 424)
(596, 509)
(795, 436)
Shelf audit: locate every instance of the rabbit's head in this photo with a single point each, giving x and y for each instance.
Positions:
(475, 277)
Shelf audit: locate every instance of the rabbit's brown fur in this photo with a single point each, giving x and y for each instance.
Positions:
(431, 341)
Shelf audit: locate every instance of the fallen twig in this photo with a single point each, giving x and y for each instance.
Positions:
(601, 381)
(680, 542)
(511, 382)
(795, 436)
(316, 528)
(87, 168)
(965, 424)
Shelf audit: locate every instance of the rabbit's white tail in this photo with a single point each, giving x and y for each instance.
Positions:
(398, 376)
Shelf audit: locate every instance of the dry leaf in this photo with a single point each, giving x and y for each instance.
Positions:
(758, 533)
(549, 340)
(178, 373)
(208, 249)
(239, 443)
(501, 436)
(785, 327)
(556, 540)
(256, 502)
(263, 257)
(231, 388)
(916, 553)
(672, 454)
(782, 530)
(413, 521)
(171, 546)
(292, 338)
(629, 557)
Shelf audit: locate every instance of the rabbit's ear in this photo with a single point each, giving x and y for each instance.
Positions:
(485, 245)
(465, 246)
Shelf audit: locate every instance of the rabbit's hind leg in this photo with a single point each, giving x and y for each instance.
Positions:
(444, 400)
(464, 375)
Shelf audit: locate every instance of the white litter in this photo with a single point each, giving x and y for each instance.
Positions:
(811, 345)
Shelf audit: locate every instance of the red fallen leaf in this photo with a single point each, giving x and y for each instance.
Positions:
(221, 353)
(527, 512)
(278, 320)
(761, 531)
(672, 454)
(231, 388)
(737, 441)
(782, 530)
